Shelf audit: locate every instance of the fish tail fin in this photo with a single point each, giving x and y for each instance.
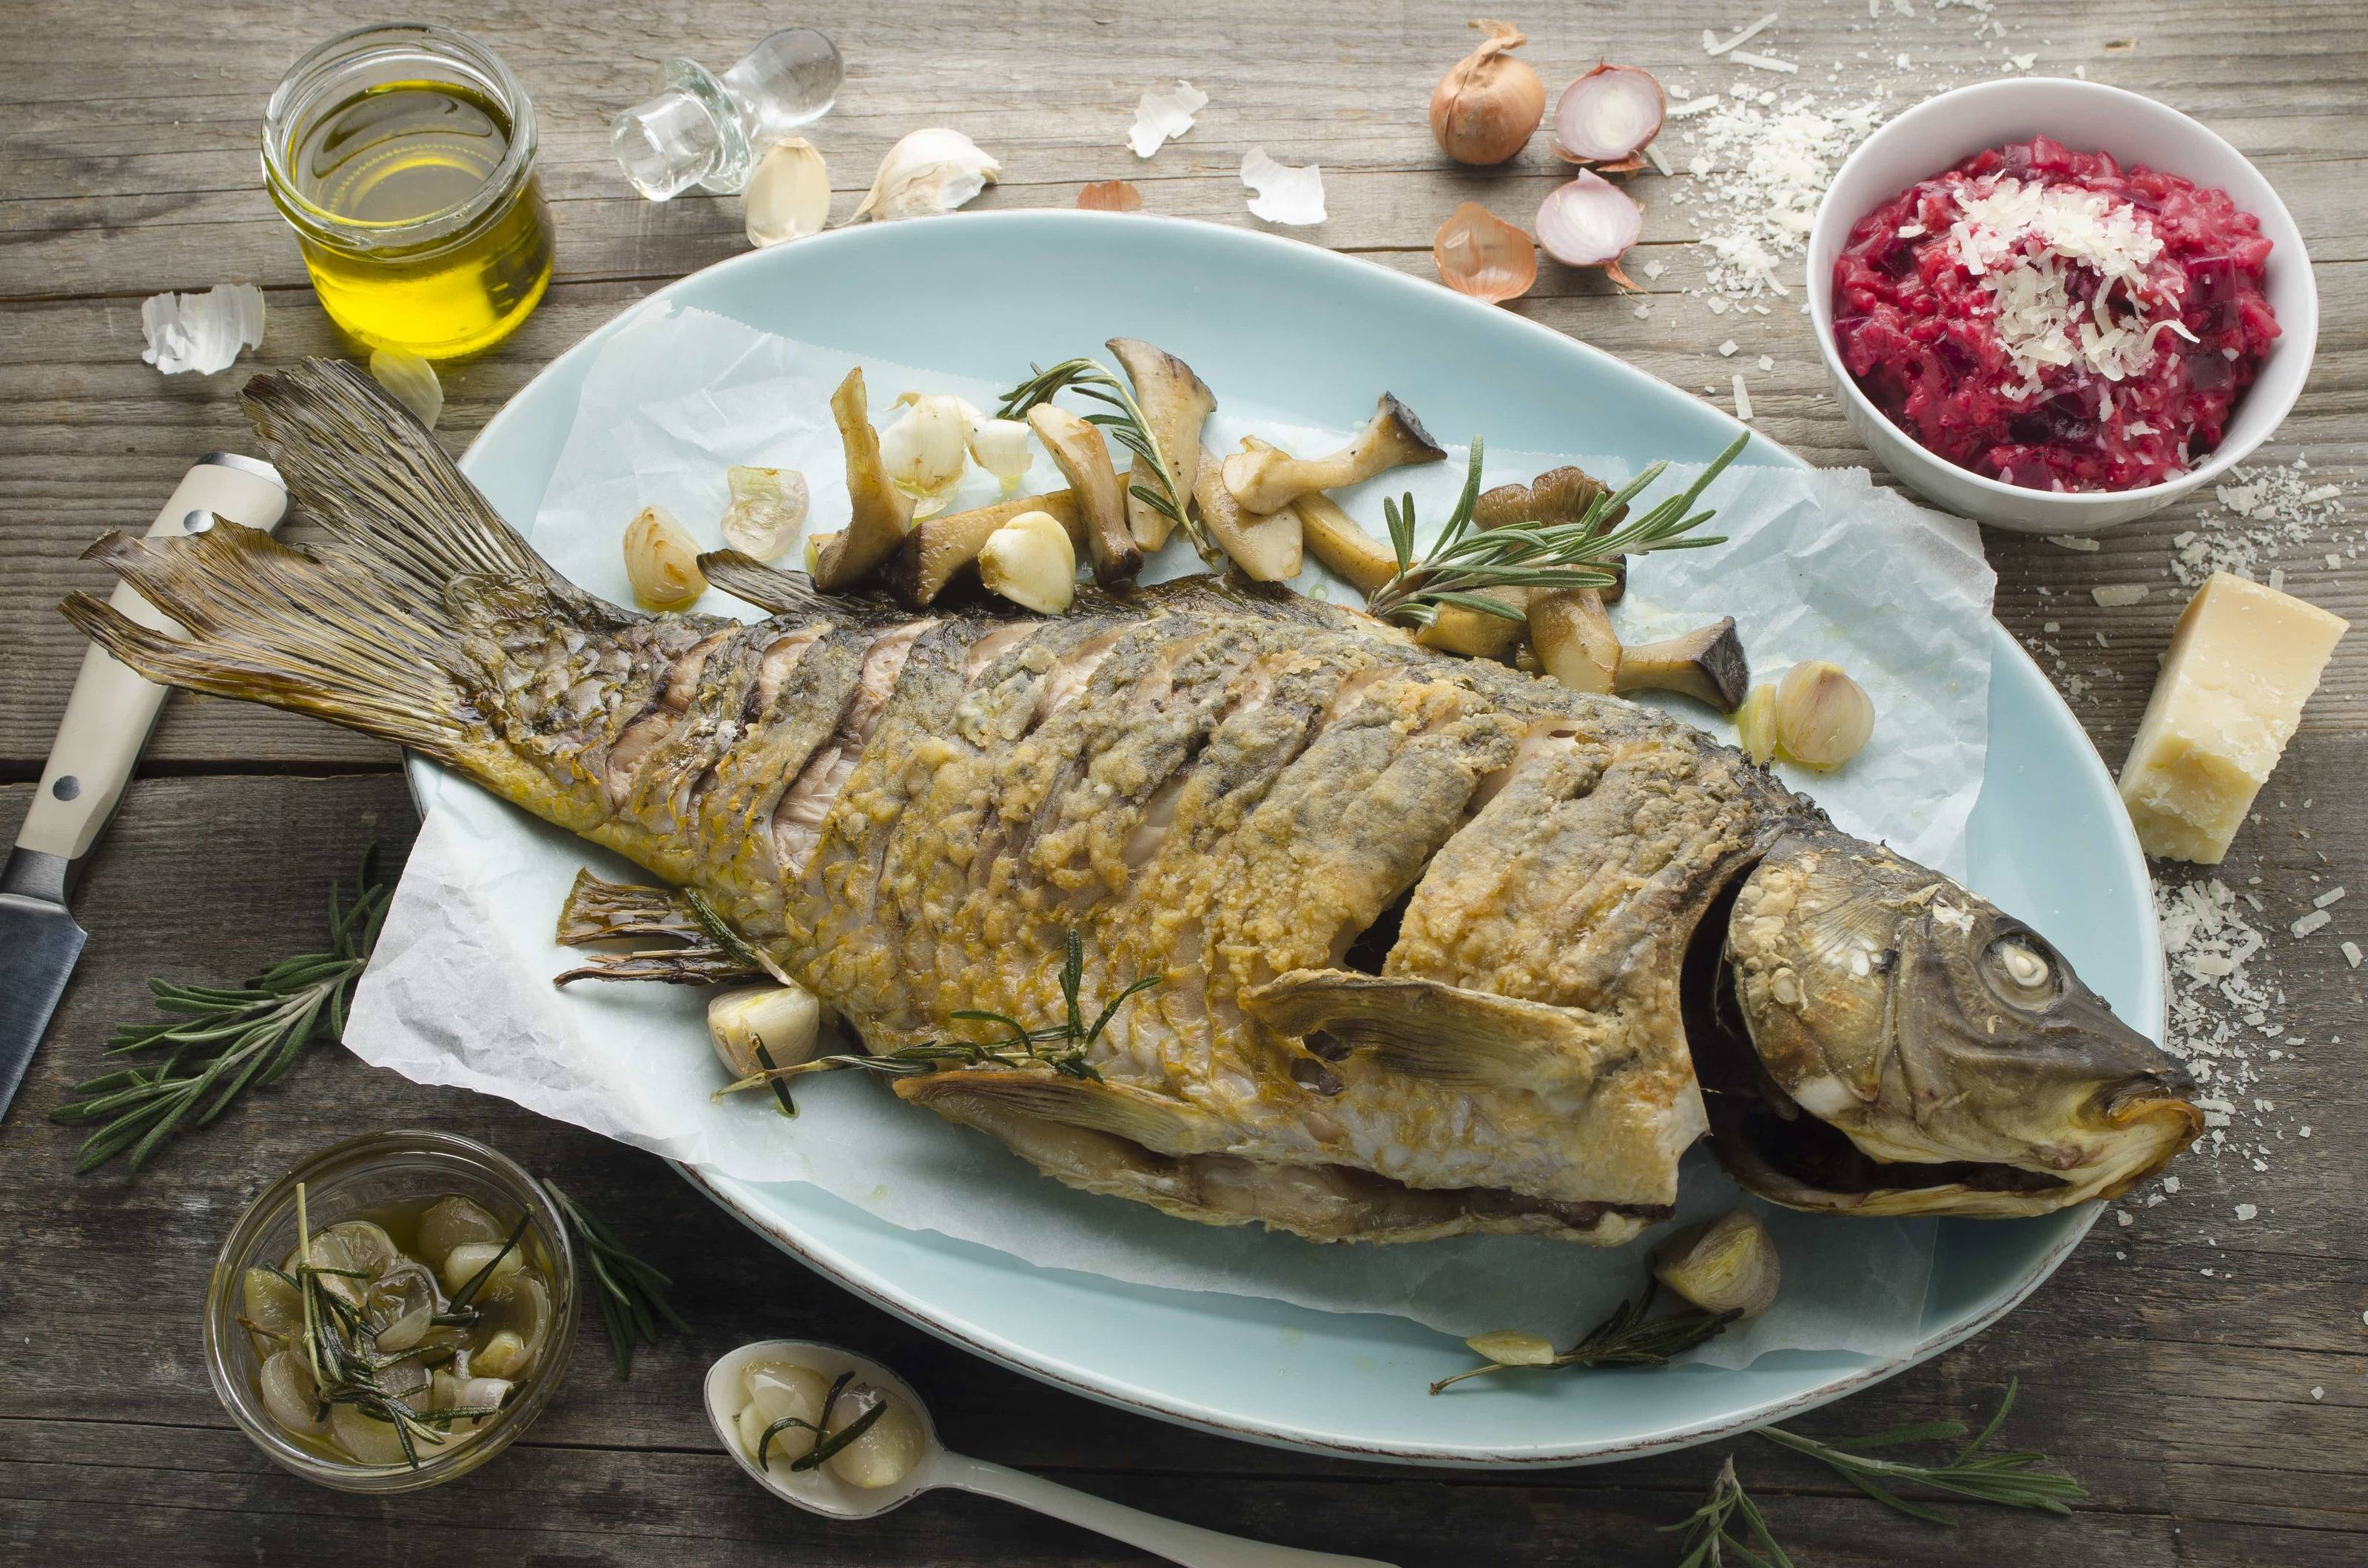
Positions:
(366, 632)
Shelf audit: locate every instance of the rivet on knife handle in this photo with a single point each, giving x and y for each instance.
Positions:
(110, 711)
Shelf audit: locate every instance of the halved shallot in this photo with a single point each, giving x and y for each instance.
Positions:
(1590, 223)
(1607, 115)
(1479, 254)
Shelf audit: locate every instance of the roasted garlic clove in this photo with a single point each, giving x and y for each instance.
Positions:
(1726, 1266)
(1030, 562)
(785, 1019)
(1823, 717)
(662, 561)
(1755, 725)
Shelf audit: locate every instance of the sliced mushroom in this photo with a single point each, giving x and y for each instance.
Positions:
(879, 513)
(1175, 405)
(1085, 462)
(1574, 638)
(1706, 663)
(1345, 549)
(1267, 481)
(1477, 633)
(1558, 496)
(1267, 549)
(940, 547)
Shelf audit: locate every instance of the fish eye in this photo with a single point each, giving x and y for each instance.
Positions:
(2023, 971)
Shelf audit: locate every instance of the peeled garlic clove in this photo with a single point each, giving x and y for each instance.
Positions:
(1485, 106)
(1030, 562)
(1726, 1266)
(1000, 447)
(291, 1395)
(1755, 725)
(461, 1264)
(1823, 717)
(788, 196)
(929, 172)
(365, 1439)
(1479, 254)
(926, 447)
(888, 1449)
(785, 1019)
(768, 507)
(662, 561)
(1511, 1347)
(452, 1220)
(411, 382)
(503, 1356)
(272, 1304)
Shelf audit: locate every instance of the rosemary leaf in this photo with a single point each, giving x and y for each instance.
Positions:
(631, 1294)
(2010, 1477)
(1709, 1537)
(220, 1041)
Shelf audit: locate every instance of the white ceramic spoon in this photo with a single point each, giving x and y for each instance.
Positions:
(822, 1492)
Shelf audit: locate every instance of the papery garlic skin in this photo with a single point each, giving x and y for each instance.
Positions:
(1726, 1266)
(1161, 114)
(788, 196)
(662, 561)
(203, 332)
(1823, 718)
(1293, 195)
(928, 173)
(1001, 447)
(768, 507)
(924, 449)
(785, 1019)
(411, 382)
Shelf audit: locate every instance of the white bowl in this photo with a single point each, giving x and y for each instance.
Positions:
(2086, 116)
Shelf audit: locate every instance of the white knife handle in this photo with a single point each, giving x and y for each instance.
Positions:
(110, 711)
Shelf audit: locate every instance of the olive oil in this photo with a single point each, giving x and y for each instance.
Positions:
(421, 222)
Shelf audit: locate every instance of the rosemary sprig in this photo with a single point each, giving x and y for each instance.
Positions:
(1127, 426)
(2009, 1477)
(631, 1294)
(1461, 561)
(1709, 1539)
(1630, 1336)
(218, 1041)
(826, 1442)
(1063, 1046)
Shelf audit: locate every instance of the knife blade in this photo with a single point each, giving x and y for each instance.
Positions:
(107, 721)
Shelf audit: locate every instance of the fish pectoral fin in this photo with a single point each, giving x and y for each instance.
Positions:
(598, 911)
(1155, 1124)
(1426, 1029)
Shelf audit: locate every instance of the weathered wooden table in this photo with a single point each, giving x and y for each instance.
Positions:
(2202, 1374)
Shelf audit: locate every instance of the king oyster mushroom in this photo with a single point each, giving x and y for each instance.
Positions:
(1346, 551)
(1557, 497)
(1265, 548)
(1085, 462)
(1706, 663)
(1175, 405)
(1267, 480)
(940, 547)
(879, 513)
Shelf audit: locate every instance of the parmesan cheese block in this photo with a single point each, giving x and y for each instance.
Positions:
(2242, 662)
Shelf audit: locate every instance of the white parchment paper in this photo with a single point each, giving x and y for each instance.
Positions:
(1816, 565)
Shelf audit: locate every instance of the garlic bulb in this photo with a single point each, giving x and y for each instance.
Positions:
(1823, 717)
(768, 507)
(1726, 1266)
(411, 382)
(1030, 562)
(662, 561)
(788, 196)
(928, 173)
(1485, 106)
(1000, 447)
(785, 1019)
(925, 448)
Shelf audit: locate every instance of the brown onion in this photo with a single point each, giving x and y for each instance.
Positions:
(1607, 116)
(1485, 108)
(1590, 223)
(1110, 195)
(1479, 254)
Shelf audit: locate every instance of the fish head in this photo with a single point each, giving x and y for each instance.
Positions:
(1964, 1065)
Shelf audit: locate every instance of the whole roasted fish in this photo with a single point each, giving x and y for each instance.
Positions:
(1446, 949)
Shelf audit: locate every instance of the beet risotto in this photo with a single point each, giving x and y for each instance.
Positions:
(2051, 319)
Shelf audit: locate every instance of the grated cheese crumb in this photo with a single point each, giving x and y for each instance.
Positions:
(2332, 895)
(2312, 922)
(1742, 400)
(1726, 349)
(2072, 541)
(2113, 596)
(2245, 1210)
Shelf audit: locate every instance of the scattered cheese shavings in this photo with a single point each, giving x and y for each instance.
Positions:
(2312, 922)
(1766, 363)
(1284, 195)
(1161, 114)
(2332, 895)
(1660, 164)
(1694, 106)
(2351, 957)
(1763, 63)
(2072, 541)
(201, 332)
(2318, 1390)
(1726, 349)
(2245, 1210)
(2113, 596)
(2023, 61)
(1712, 44)
(1742, 400)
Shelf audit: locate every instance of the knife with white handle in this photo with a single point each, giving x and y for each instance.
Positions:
(107, 721)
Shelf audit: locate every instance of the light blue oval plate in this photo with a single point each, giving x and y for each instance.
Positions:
(1313, 333)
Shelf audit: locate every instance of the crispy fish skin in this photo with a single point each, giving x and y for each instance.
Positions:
(1425, 925)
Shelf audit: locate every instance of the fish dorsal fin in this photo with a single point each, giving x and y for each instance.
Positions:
(1443, 1033)
(1126, 1113)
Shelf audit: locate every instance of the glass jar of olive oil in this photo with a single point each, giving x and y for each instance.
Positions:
(403, 158)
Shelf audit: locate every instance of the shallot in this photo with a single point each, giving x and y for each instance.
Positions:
(1479, 254)
(1485, 106)
(1607, 115)
(1590, 223)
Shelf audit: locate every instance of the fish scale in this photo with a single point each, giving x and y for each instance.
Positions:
(1443, 949)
